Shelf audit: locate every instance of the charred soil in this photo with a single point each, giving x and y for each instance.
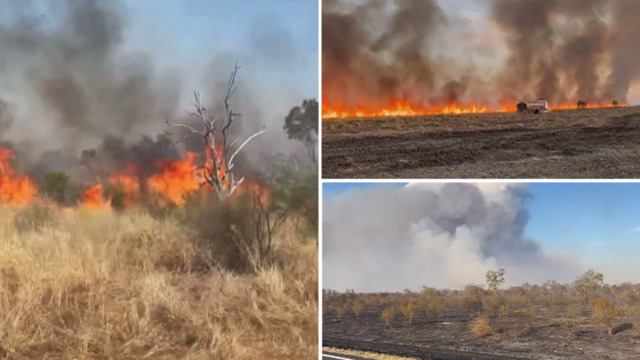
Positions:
(592, 143)
(550, 335)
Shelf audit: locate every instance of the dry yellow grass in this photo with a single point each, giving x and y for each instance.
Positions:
(98, 285)
(481, 326)
(365, 354)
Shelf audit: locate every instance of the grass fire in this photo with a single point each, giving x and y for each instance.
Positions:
(131, 229)
(442, 89)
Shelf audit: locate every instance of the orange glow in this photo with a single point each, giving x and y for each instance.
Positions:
(128, 183)
(589, 106)
(92, 198)
(405, 108)
(259, 192)
(177, 179)
(220, 161)
(14, 189)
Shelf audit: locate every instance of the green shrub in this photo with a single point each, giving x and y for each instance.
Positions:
(55, 186)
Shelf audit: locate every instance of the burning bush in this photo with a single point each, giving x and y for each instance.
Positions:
(15, 189)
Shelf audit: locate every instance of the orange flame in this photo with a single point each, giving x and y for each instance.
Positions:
(128, 183)
(259, 192)
(177, 179)
(405, 108)
(92, 198)
(14, 189)
(220, 161)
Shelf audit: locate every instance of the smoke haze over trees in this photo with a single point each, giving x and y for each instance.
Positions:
(389, 238)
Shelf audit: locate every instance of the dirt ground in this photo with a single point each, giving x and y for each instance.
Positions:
(581, 144)
(549, 336)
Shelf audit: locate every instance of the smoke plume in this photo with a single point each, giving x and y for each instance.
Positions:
(71, 93)
(379, 52)
(439, 235)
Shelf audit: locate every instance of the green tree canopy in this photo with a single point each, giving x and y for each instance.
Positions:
(302, 124)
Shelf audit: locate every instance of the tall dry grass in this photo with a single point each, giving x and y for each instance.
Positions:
(78, 284)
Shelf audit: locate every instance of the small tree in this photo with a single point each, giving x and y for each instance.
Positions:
(434, 308)
(56, 185)
(409, 312)
(302, 124)
(387, 316)
(340, 310)
(357, 307)
(589, 284)
(582, 104)
(614, 103)
(494, 279)
(605, 311)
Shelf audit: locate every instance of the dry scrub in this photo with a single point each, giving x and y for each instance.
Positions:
(531, 321)
(481, 326)
(78, 284)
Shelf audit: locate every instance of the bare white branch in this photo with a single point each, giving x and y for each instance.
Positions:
(264, 130)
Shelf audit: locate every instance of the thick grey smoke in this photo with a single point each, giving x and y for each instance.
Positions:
(69, 88)
(375, 52)
(387, 62)
(440, 235)
(72, 80)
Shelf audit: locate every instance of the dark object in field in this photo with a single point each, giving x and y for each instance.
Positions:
(621, 328)
(582, 104)
(534, 107)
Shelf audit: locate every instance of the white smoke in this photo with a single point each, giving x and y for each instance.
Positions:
(440, 235)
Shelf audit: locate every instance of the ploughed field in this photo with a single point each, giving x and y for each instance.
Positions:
(590, 143)
(549, 334)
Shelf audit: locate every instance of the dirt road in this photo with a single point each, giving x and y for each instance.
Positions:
(583, 144)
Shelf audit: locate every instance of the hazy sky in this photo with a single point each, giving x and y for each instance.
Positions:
(275, 42)
(574, 227)
(85, 69)
(187, 34)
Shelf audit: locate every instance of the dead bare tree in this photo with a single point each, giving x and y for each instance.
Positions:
(255, 237)
(220, 152)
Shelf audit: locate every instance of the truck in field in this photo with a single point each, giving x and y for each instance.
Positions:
(534, 107)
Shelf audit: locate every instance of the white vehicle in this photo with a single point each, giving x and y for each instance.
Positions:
(534, 107)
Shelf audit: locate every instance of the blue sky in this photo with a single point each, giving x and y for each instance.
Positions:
(276, 42)
(592, 221)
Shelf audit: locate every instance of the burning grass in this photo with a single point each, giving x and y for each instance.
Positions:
(14, 188)
(78, 283)
(401, 108)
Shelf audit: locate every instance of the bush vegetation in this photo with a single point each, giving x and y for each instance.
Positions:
(79, 283)
(529, 305)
